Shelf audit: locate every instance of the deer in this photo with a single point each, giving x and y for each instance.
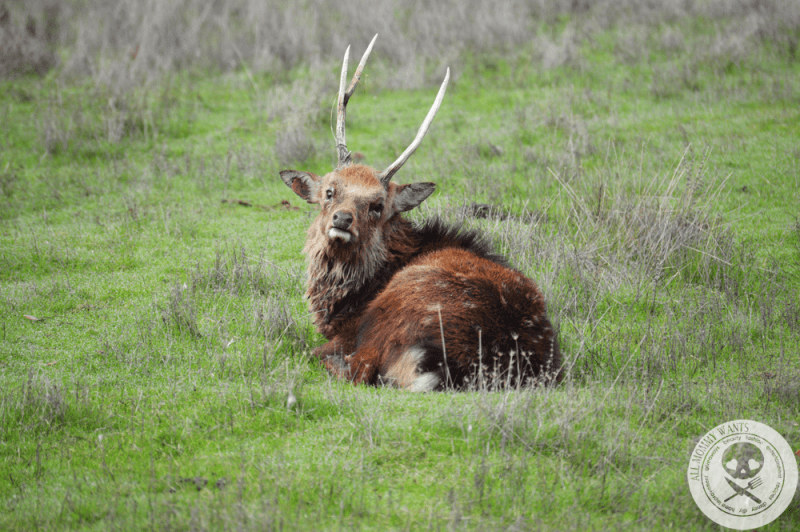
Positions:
(420, 307)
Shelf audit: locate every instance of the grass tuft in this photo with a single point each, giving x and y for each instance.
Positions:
(181, 311)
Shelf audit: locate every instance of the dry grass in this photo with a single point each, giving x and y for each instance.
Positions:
(26, 48)
(122, 43)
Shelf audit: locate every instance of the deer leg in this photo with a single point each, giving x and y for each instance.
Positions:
(339, 360)
(328, 350)
(331, 355)
(348, 367)
(364, 364)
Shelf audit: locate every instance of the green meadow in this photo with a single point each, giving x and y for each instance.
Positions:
(642, 161)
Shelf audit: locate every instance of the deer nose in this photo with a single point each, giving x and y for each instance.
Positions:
(342, 220)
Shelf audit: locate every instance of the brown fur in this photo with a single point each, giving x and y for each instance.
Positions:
(388, 298)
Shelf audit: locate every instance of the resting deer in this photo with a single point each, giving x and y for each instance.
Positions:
(417, 307)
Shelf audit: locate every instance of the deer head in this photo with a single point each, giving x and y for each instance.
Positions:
(356, 202)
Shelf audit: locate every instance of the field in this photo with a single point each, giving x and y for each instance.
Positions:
(643, 159)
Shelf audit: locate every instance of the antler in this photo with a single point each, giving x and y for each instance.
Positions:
(387, 174)
(344, 96)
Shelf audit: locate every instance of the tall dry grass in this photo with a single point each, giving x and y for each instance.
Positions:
(121, 43)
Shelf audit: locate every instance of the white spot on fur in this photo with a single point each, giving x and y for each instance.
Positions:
(425, 382)
(334, 233)
(469, 304)
(416, 353)
(434, 308)
(403, 372)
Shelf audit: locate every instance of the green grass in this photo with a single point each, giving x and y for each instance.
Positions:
(652, 192)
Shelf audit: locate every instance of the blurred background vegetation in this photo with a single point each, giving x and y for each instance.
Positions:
(130, 44)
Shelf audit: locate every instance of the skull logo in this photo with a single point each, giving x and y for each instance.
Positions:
(743, 460)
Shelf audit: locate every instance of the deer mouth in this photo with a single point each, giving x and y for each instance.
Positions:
(339, 234)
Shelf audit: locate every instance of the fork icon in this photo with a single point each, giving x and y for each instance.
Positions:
(753, 484)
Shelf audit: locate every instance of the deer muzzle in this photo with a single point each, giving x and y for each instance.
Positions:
(342, 220)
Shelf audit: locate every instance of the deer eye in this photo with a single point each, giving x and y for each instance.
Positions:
(329, 193)
(376, 208)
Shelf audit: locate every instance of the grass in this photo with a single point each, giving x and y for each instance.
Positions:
(154, 357)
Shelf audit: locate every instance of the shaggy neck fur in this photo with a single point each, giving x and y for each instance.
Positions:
(342, 279)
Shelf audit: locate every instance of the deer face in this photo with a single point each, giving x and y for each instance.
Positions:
(354, 204)
(355, 201)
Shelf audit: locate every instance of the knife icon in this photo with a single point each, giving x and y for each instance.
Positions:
(743, 491)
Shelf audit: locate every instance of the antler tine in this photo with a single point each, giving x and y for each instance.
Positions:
(387, 174)
(344, 97)
(357, 76)
(341, 143)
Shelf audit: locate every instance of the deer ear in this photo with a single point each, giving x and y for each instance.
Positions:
(304, 184)
(407, 197)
